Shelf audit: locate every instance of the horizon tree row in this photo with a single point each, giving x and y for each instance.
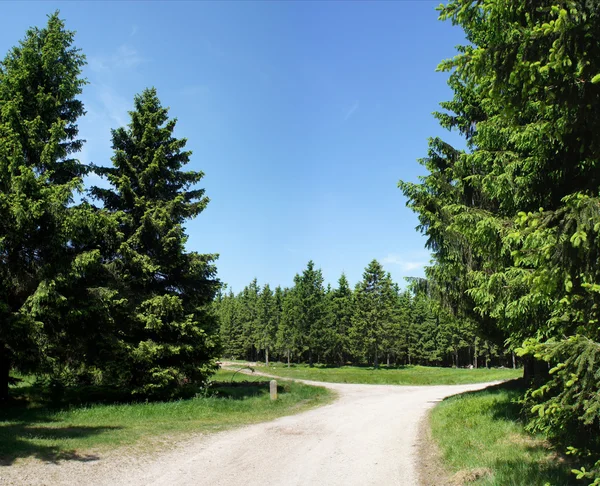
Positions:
(96, 286)
(373, 323)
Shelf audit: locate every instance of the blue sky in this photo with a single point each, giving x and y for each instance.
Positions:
(303, 116)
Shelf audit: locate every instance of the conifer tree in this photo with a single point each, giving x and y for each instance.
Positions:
(373, 312)
(40, 81)
(342, 306)
(266, 322)
(287, 337)
(310, 296)
(168, 332)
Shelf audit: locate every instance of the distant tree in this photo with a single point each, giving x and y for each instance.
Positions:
(248, 307)
(266, 322)
(373, 312)
(287, 337)
(168, 334)
(310, 296)
(425, 347)
(227, 308)
(342, 307)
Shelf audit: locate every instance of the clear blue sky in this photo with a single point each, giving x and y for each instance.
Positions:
(303, 116)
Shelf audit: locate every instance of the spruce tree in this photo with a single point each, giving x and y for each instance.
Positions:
(373, 312)
(40, 81)
(311, 313)
(168, 332)
(266, 322)
(287, 337)
(342, 306)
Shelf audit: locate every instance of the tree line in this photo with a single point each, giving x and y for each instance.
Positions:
(96, 286)
(513, 219)
(373, 323)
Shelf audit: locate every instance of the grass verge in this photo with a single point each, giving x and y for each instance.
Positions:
(404, 375)
(73, 432)
(483, 441)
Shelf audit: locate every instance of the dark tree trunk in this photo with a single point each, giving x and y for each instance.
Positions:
(376, 361)
(535, 371)
(310, 358)
(388, 360)
(288, 358)
(4, 373)
(514, 360)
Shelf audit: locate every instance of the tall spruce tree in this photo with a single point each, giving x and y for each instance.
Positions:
(342, 307)
(310, 296)
(40, 81)
(168, 332)
(266, 322)
(373, 312)
(521, 206)
(287, 337)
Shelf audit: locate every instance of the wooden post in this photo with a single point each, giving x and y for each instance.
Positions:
(273, 389)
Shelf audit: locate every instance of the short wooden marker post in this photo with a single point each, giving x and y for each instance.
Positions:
(273, 389)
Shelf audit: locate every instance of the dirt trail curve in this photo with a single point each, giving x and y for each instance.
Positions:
(366, 437)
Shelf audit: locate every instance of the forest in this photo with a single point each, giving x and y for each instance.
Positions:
(374, 323)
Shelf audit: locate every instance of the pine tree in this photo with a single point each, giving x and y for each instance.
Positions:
(39, 84)
(168, 331)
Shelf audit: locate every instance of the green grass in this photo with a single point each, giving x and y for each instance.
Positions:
(405, 375)
(77, 432)
(481, 434)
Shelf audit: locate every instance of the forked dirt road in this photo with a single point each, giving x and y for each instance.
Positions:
(366, 437)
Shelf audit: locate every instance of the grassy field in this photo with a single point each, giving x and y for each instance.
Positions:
(483, 442)
(75, 432)
(406, 375)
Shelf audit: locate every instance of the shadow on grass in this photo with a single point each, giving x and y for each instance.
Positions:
(240, 390)
(554, 468)
(21, 440)
(519, 471)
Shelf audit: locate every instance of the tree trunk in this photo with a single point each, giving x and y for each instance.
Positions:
(535, 371)
(456, 356)
(514, 361)
(376, 361)
(388, 360)
(288, 357)
(310, 358)
(4, 372)
(267, 356)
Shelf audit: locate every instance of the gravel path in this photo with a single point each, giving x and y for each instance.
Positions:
(366, 437)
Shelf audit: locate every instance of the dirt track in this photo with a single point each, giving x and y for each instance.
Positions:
(366, 437)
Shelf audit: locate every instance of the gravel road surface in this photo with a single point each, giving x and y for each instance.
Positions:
(367, 436)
